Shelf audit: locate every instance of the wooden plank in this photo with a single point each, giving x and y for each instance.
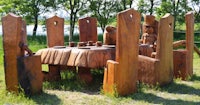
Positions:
(165, 49)
(180, 64)
(126, 53)
(88, 29)
(127, 50)
(12, 26)
(189, 20)
(55, 31)
(30, 74)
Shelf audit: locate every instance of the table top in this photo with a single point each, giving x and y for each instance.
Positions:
(87, 56)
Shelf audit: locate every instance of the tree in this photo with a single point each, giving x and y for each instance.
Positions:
(178, 8)
(73, 7)
(195, 4)
(126, 4)
(147, 6)
(29, 9)
(104, 10)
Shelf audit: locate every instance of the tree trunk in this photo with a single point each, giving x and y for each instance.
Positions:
(151, 8)
(35, 25)
(71, 30)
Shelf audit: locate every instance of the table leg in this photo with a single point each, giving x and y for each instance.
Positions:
(53, 74)
(85, 75)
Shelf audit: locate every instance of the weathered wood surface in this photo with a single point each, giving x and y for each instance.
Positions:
(179, 43)
(88, 29)
(109, 35)
(121, 75)
(183, 59)
(30, 74)
(55, 31)
(55, 37)
(12, 26)
(93, 57)
(146, 50)
(159, 69)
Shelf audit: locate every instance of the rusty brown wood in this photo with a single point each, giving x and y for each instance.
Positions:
(183, 65)
(12, 26)
(30, 74)
(88, 29)
(109, 36)
(55, 31)
(121, 75)
(55, 37)
(159, 69)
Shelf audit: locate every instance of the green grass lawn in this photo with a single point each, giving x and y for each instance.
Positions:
(72, 91)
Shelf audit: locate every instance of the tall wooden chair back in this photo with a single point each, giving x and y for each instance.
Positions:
(88, 29)
(55, 31)
(121, 75)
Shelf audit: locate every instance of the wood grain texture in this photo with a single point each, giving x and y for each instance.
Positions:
(128, 26)
(88, 29)
(189, 19)
(55, 31)
(183, 65)
(12, 26)
(162, 65)
(30, 74)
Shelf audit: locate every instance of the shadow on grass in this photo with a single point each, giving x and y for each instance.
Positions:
(180, 89)
(46, 99)
(70, 82)
(195, 78)
(153, 99)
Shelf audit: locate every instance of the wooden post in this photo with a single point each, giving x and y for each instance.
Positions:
(121, 76)
(12, 26)
(55, 37)
(88, 29)
(189, 19)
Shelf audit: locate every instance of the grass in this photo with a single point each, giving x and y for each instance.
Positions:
(70, 90)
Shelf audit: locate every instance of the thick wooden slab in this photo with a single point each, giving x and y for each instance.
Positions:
(88, 29)
(30, 74)
(128, 27)
(12, 26)
(55, 31)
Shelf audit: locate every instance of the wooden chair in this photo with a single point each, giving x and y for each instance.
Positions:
(183, 58)
(120, 76)
(19, 69)
(55, 37)
(88, 29)
(159, 69)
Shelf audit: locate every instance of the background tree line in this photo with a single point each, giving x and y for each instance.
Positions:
(104, 10)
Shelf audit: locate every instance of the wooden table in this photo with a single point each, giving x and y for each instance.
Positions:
(89, 56)
(86, 58)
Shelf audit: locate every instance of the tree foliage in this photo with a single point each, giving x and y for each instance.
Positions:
(73, 7)
(29, 9)
(104, 10)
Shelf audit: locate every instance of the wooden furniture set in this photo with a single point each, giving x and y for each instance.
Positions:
(21, 71)
(122, 71)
